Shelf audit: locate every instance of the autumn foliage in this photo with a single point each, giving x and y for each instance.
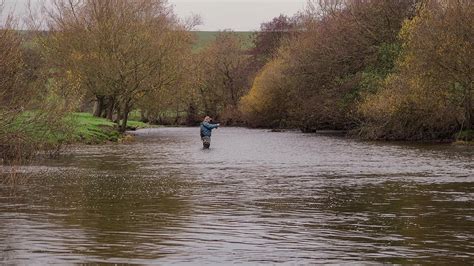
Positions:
(429, 96)
(119, 52)
(397, 69)
(30, 113)
(269, 101)
(393, 69)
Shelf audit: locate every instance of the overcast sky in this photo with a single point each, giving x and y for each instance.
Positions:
(239, 15)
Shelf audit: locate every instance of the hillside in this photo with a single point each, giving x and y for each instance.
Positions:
(202, 37)
(205, 37)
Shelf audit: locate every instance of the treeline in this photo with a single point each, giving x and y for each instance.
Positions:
(223, 71)
(395, 69)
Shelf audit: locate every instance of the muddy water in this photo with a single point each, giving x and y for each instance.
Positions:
(254, 197)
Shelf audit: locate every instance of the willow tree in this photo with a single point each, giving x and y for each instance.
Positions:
(172, 88)
(118, 50)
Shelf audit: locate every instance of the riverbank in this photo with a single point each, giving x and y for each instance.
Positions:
(95, 130)
(88, 129)
(465, 137)
(33, 132)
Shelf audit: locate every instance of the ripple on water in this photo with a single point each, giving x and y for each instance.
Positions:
(254, 197)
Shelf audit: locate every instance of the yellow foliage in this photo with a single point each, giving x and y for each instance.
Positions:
(267, 102)
(430, 95)
(76, 55)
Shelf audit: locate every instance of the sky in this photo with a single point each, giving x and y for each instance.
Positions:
(238, 15)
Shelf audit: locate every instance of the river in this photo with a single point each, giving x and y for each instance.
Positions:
(255, 197)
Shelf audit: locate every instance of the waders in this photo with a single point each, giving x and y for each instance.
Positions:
(206, 142)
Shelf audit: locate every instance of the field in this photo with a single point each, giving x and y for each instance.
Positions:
(205, 37)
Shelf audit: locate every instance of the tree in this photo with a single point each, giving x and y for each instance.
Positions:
(119, 50)
(337, 42)
(430, 94)
(220, 75)
(269, 39)
(14, 95)
(30, 114)
(268, 103)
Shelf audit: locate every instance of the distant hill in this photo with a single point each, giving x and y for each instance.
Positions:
(205, 37)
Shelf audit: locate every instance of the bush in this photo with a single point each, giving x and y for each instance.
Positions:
(268, 102)
(430, 95)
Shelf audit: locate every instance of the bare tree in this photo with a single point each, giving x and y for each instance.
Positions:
(221, 76)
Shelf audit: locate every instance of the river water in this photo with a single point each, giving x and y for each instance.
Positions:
(255, 197)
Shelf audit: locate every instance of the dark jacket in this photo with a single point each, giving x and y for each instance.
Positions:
(206, 129)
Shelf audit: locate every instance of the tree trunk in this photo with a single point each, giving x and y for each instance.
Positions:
(143, 116)
(110, 108)
(118, 116)
(192, 114)
(98, 106)
(104, 112)
(126, 111)
(176, 119)
(468, 106)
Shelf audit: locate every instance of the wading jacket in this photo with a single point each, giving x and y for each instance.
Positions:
(206, 129)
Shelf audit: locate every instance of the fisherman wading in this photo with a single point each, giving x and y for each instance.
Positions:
(206, 131)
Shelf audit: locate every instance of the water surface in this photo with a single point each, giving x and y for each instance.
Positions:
(254, 197)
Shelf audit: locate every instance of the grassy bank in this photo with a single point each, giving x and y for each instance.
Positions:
(33, 132)
(73, 128)
(465, 137)
(94, 130)
(89, 129)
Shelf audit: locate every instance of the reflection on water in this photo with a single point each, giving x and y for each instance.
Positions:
(254, 197)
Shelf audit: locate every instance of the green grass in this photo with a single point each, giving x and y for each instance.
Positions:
(466, 135)
(37, 127)
(93, 130)
(74, 128)
(90, 130)
(205, 37)
(202, 38)
(138, 124)
(134, 115)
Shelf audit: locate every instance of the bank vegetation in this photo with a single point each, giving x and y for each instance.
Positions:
(395, 70)
(392, 70)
